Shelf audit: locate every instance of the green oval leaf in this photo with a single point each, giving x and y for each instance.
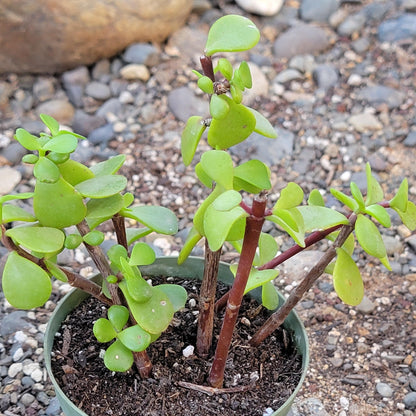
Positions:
(236, 94)
(118, 357)
(267, 248)
(351, 203)
(64, 143)
(375, 193)
(93, 238)
(235, 127)
(320, 218)
(316, 199)
(369, 237)
(269, 296)
(218, 107)
(409, 216)
(46, 171)
(30, 158)
(55, 271)
(103, 330)
(227, 200)
(206, 85)
(104, 208)
(12, 213)
(118, 315)
(191, 136)
(358, 196)
(27, 140)
(159, 219)
(245, 74)
(190, 242)
(263, 125)
(380, 214)
(135, 338)
(176, 294)
(290, 197)
(142, 254)
(74, 172)
(134, 234)
(218, 165)
(400, 199)
(40, 239)
(50, 123)
(252, 176)
(109, 166)
(225, 67)
(347, 279)
(102, 186)
(231, 33)
(259, 278)
(25, 285)
(72, 241)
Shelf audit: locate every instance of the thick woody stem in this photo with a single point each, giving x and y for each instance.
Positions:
(252, 234)
(207, 301)
(278, 317)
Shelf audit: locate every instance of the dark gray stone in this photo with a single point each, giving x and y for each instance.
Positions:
(410, 400)
(54, 407)
(101, 69)
(402, 27)
(410, 140)
(98, 90)
(380, 94)
(352, 24)
(102, 135)
(269, 151)
(13, 152)
(184, 103)
(84, 123)
(13, 322)
(325, 76)
(142, 53)
(319, 11)
(77, 76)
(299, 40)
(113, 106)
(43, 89)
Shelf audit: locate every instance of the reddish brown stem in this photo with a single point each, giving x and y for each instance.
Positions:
(252, 233)
(120, 229)
(207, 68)
(290, 252)
(207, 301)
(278, 317)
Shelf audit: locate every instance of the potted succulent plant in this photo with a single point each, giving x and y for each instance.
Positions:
(71, 201)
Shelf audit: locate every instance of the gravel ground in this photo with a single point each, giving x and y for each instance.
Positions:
(337, 79)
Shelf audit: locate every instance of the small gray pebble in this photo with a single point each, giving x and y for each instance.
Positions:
(410, 400)
(384, 390)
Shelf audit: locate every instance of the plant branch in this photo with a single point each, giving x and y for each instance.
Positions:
(278, 317)
(207, 301)
(251, 237)
(207, 68)
(120, 229)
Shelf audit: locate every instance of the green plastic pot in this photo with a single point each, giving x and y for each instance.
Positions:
(167, 266)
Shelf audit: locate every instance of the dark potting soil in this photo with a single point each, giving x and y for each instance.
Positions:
(270, 373)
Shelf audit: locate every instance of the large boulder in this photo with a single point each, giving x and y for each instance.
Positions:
(50, 36)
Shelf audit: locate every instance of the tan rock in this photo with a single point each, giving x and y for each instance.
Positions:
(135, 71)
(49, 36)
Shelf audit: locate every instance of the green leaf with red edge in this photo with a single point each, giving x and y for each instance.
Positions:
(25, 284)
(347, 279)
(191, 136)
(118, 357)
(231, 33)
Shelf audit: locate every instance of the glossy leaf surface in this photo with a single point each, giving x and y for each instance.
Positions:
(231, 33)
(103, 330)
(218, 165)
(291, 196)
(252, 176)
(400, 199)
(191, 136)
(63, 143)
(40, 239)
(269, 296)
(189, 244)
(218, 106)
(27, 140)
(12, 213)
(409, 216)
(320, 218)
(369, 237)
(375, 193)
(380, 214)
(263, 125)
(46, 171)
(118, 315)
(74, 172)
(25, 285)
(102, 186)
(109, 166)
(351, 203)
(347, 279)
(118, 357)
(159, 219)
(235, 127)
(176, 294)
(316, 199)
(50, 123)
(227, 200)
(55, 271)
(135, 338)
(142, 254)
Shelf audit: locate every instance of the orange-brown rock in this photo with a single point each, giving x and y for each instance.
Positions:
(50, 36)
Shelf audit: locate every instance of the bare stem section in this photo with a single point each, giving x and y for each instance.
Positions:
(278, 317)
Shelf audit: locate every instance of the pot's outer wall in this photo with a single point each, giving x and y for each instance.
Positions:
(192, 268)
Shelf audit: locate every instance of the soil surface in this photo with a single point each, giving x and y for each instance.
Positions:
(266, 376)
